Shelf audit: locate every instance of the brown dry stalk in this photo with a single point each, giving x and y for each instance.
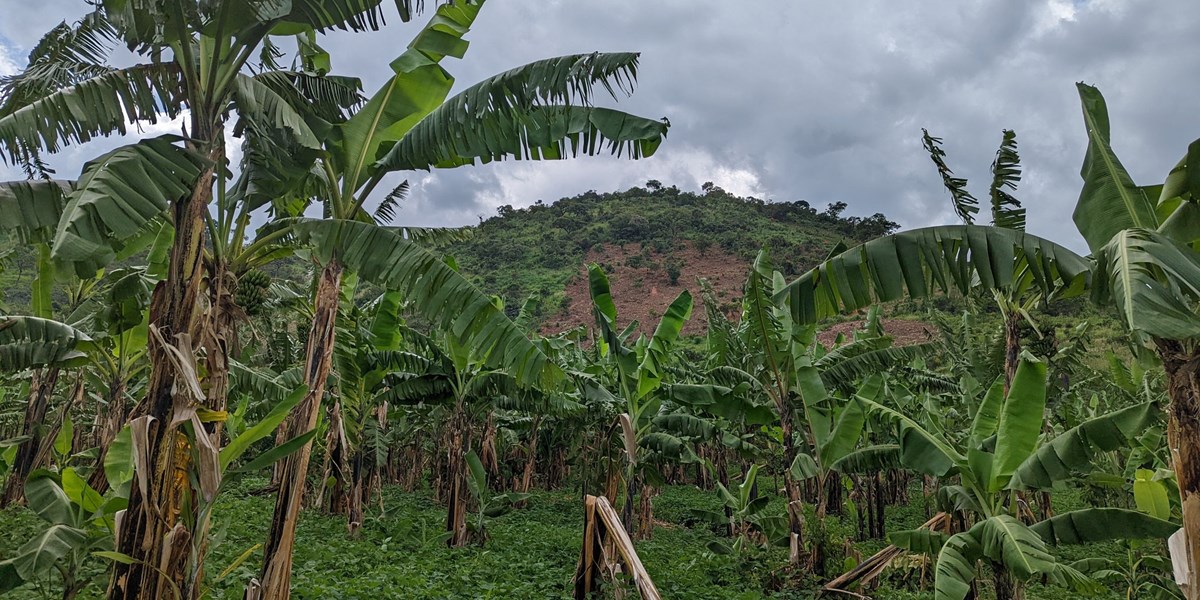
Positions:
(604, 543)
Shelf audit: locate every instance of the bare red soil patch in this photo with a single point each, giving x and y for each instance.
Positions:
(642, 288)
(903, 331)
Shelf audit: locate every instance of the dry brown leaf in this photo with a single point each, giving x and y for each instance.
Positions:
(185, 369)
(630, 436)
(139, 430)
(210, 461)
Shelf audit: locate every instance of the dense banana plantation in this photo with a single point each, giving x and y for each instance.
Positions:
(204, 331)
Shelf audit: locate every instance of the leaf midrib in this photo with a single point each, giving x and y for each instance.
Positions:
(1105, 151)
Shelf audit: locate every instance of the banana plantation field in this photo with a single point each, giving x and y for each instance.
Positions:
(225, 372)
(403, 548)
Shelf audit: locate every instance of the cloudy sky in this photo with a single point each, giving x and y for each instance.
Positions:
(805, 100)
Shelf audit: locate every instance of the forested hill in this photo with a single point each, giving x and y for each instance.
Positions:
(654, 242)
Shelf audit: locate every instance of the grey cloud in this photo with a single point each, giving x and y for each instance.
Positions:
(822, 101)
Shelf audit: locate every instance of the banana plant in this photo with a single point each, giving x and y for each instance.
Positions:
(446, 375)
(375, 359)
(745, 412)
(1018, 297)
(35, 206)
(744, 515)
(635, 374)
(487, 505)
(81, 521)
(111, 307)
(1005, 453)
(45, 347)
(118, 319)
(280, 112)
(538, 111)
(783, 359)
(78, 529)
(71, 97)
(779, 363)
(367, 352)
(1142, 574)
(1144, 263)
(727, 420)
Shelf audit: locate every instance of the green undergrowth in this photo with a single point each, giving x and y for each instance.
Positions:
(531, 553)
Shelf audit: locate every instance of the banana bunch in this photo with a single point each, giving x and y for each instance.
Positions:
(252, 291)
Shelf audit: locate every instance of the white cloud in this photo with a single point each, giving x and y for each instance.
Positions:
(1053, 13)
(7, 65)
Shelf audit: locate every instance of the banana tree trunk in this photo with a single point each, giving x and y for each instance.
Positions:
(632, 480)
(111, 417)
(336, 464)
(277, 554)
(488, 454)
(1182, 366)
(277, 468)
(880, 506)
(1012, 347)
(703, 477)
(526, 482)
(819, 535)
(612, 482)
(722, 468)
(631, 486)
(360, 492)
(833, 495)
(219, 339)
(795, 506)
(150, 532)
(416, 459)
(1007, 588)
(458, 499)
(41, 389)
(645, 522)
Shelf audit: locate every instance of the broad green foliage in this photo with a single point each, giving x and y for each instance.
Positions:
(1102, 524)
(1142, 264)
(77, 523)
(102, 105)
(921, 262)
(635, 373)
(1075, 451)
(744, 513)
(261, 430)
(965, 203)
(1006, 173)
(32, 208)
(104, 210)
(30, 342)
(1004, 452)
(418, 87)
(1020, 423)
(1110, 201)
(488, 505)
(1152, 280)
(525, 113)
(433, 288)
